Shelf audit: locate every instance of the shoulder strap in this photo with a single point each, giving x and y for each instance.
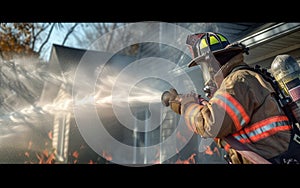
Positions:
(241, 67)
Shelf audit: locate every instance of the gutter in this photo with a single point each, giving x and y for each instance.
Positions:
(269, 34)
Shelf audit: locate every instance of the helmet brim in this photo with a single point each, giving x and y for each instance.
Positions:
(216, 53)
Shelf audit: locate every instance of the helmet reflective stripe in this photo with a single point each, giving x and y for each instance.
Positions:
(203, 44)
(215, 41)
(223, 39)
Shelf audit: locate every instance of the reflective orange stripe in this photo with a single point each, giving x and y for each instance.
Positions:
(234, 109)
(226, 147)
(231, 113)
(263, 129)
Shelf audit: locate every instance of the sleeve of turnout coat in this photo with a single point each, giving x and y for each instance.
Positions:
(232, 106)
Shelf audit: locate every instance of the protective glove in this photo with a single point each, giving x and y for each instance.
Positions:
(177, 101)
(175, 105)
(174, 101)
(237, 158)
(187, 99)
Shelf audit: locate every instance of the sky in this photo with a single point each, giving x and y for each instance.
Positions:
(57, 37)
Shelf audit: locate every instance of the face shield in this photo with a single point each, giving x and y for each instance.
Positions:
(209, 66)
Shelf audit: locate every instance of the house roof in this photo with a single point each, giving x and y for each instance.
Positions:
(266, 44)
(265, 41)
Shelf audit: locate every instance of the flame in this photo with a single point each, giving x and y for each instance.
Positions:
(50, 135)
(157, 156)
(208, 150)
(27, 154)
(180, 137)
(156, 162)
(29, 145)
(190, 160)
(216, 150)
(107, 156)
(75, 154)
(91, 162)
(45, 157)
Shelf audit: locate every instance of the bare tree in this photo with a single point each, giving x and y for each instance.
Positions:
(30, 38)
(47, 38)
(70, 31)
(92, 32)
(36, 31)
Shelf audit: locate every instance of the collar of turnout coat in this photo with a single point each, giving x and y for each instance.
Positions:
(227, 68)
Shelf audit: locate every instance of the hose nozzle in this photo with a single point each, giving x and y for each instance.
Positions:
(167, 96)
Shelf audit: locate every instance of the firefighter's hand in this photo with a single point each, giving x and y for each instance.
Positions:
(174, 101)
(175, 105)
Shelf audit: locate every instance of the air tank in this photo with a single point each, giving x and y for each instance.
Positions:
(286, 71)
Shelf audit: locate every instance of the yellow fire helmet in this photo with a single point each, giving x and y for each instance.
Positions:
(203, 44)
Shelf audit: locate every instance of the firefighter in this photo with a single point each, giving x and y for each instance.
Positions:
(240, 102)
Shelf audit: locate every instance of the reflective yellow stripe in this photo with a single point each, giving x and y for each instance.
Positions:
(213, 40)
(223, 39)
(203, 44)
